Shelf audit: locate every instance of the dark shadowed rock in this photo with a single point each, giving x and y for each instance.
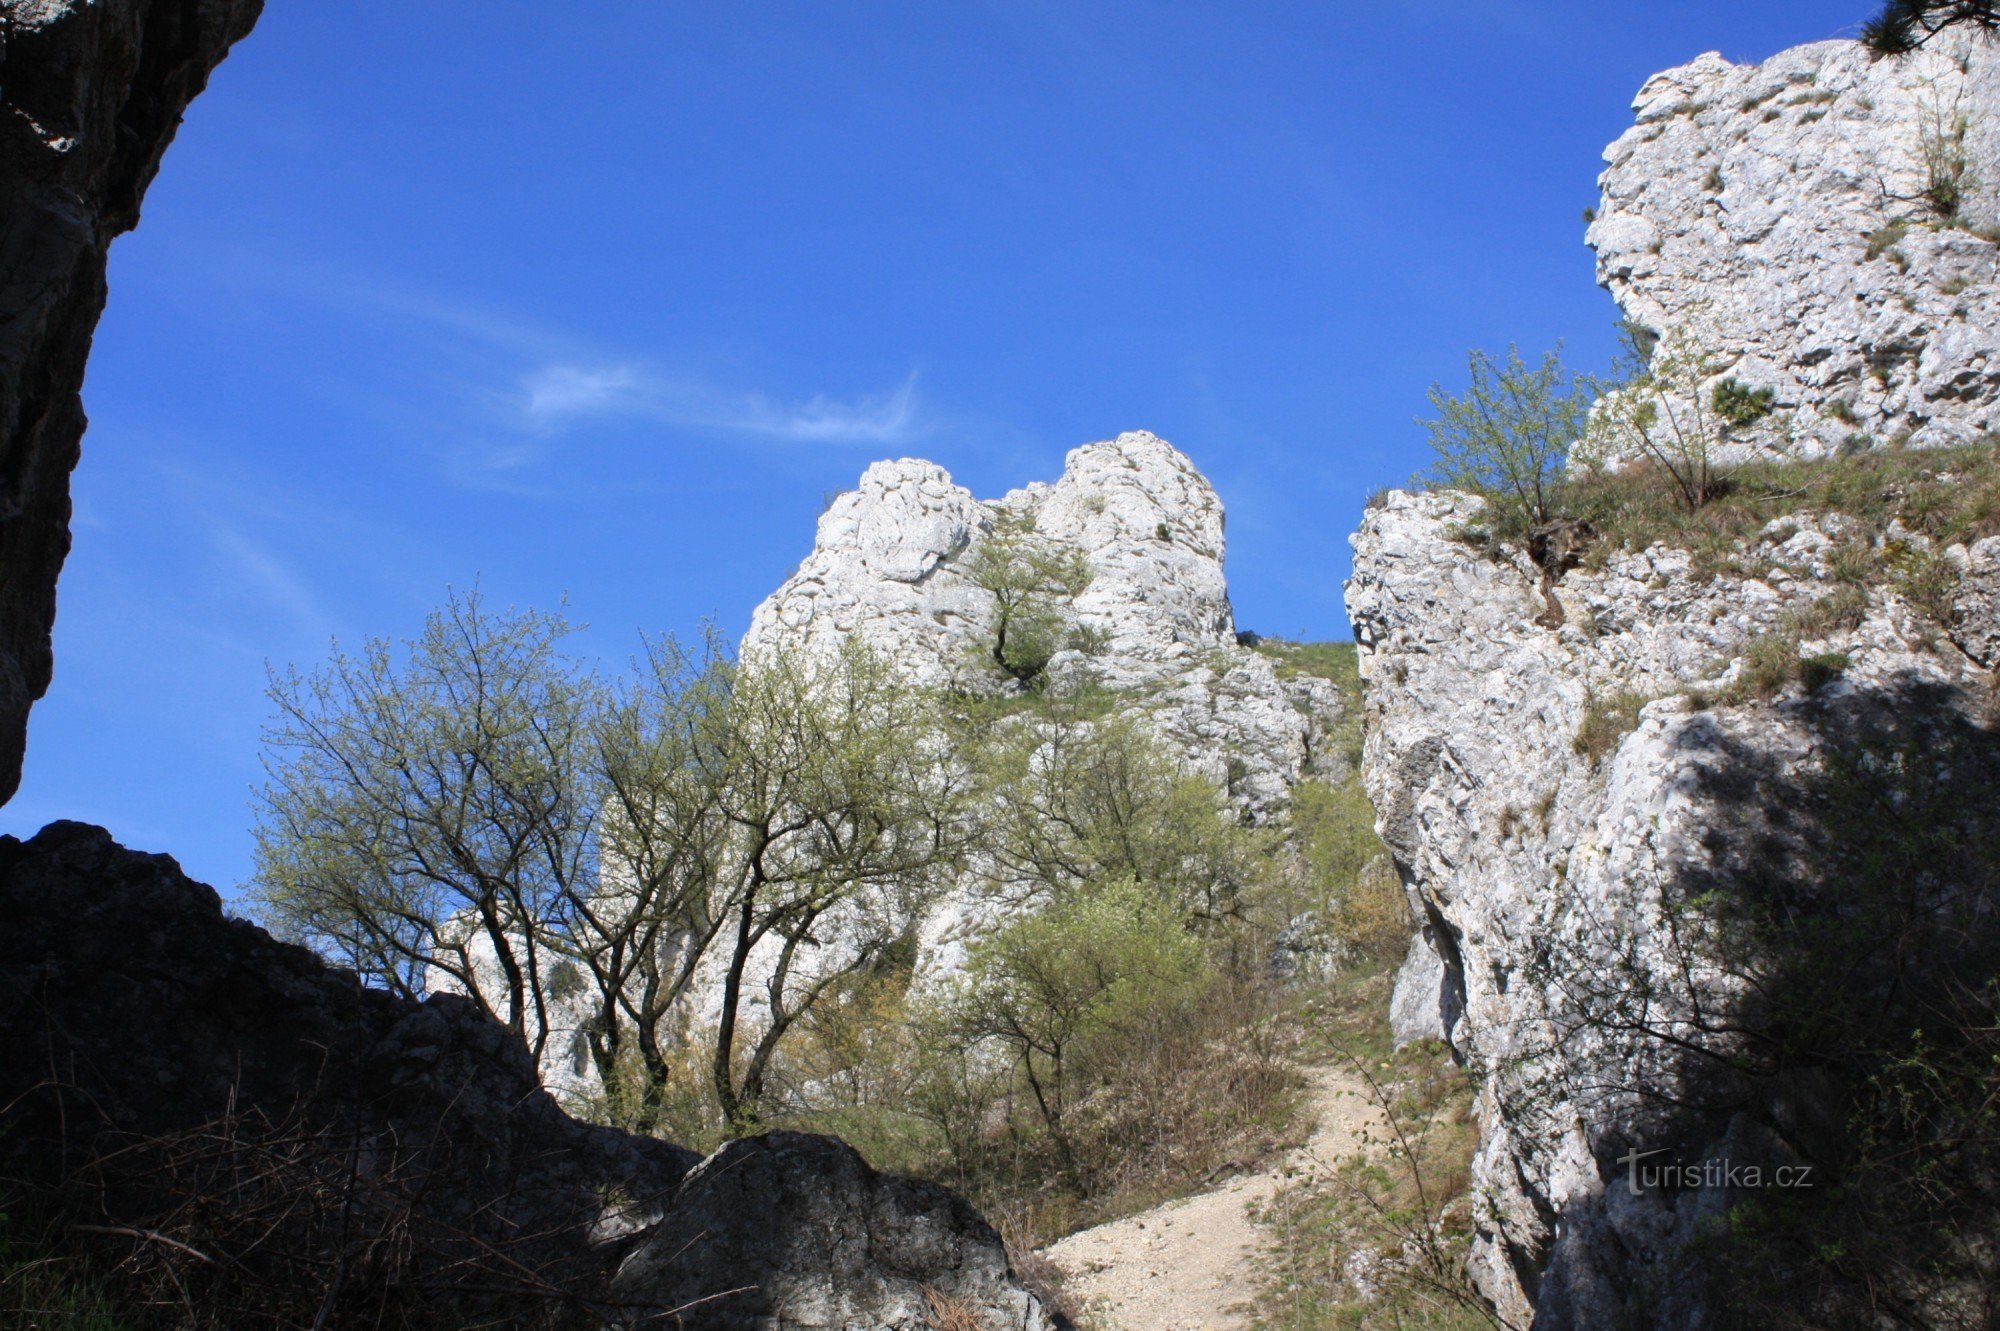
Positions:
(168, 1070)
(795, 1231)
(90, 97)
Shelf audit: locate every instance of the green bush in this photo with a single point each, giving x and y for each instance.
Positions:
(1033, 585)
(1740, 404)
(1507, 437)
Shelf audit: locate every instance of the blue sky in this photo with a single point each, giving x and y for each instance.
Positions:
(601, 300)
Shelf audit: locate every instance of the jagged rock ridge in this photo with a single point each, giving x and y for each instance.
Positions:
(889, 569)
(1793, 215)
(93, 93)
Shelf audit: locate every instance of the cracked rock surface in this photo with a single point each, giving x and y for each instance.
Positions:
(91, 93)
(1786, 212)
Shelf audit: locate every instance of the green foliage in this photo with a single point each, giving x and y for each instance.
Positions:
(482, 811)
(1348, 872)
(1739, 404)
(1057, 990)
(1507, 437)
(1903, 26)
(1085, 795)
(421, 803)
(1661, 416)
(1032, 583)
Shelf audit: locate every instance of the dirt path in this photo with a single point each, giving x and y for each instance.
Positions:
(1186, 1266)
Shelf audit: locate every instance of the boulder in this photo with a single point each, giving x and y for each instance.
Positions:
(322, 1144)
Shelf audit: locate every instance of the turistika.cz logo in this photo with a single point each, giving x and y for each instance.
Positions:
(1672, 1176)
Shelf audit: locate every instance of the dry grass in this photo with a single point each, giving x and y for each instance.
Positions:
(1606, 722)
(1947, 494)
(1382, 1240)
(252, 1222)
(944, 1313)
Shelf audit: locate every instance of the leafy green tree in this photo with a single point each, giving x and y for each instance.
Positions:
(846, 817)
(425, 813)
(481, 811)
(1032, 583)
(1904, 26)
(1507, 438)
(1078, 794)
(1060, 990)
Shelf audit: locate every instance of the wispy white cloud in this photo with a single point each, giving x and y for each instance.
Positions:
(559, 392)
(532, 380)
(555, 396)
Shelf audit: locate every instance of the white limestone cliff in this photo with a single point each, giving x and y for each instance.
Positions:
(1786, 212)
(1565, 803)
(889, 569)
(1552, 880)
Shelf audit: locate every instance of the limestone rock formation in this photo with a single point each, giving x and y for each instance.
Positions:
(1564, 803)
(892, 568)
(1826, 223)
(196, 1080)
(90, 97)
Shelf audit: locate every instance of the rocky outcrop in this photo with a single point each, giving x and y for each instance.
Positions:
(891, 568)
(1598, 824)
(93, 93)
(1825, 223)
(234, 1116)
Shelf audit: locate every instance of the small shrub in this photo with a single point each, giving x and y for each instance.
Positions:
(1740, 404)
(1507, 437)
(1032, 584)
(1843, 608)
(1819, 670)
(1842, 409)
(1661, 415)
(1947, 161)
(1162, 532)
(1770, 662)
(1928, 581)
(1882, 241)
(1606, 722)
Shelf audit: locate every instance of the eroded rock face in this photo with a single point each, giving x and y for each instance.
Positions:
(1559, 855)
(218, 1079)
(1787, 212)
(90, 97)
(889, 568)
